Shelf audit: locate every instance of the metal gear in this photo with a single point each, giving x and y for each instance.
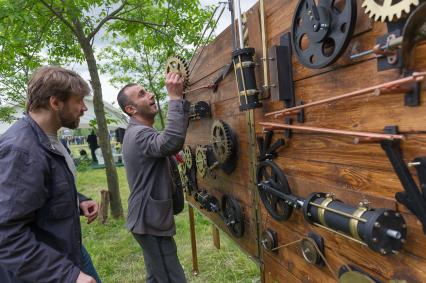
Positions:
(201, 160)
(388, 10)
(183, 175)
(176, 64)
(221, 141)
(188, 157)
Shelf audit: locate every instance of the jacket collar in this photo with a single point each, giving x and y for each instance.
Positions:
(41, 135)
(134, 122)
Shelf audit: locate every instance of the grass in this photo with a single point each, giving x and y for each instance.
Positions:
(118, 258)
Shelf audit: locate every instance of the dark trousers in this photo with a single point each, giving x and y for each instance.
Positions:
(161, 260)
(88, 267)
(92, 151)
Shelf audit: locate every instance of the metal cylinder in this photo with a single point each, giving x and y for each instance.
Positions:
(246, 80)
(382, 230)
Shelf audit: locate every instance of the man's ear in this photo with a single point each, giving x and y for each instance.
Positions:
(54, 103)
(130, 109)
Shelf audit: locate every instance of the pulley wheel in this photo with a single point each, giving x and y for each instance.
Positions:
(276, 207)
(233, 215)
(320, 33)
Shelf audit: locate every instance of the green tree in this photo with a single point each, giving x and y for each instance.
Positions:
(65, 31)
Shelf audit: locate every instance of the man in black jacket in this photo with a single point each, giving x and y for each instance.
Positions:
(40, 235)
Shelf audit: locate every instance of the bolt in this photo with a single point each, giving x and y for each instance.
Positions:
(395, 252)
(375, 240)
(377, 224)
(397, 214)
(403, 241)
(383, 251)
(412, 164)
(404, 226)
(386, 213)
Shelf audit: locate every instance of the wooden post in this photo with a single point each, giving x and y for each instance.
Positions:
(193, 240)
(216, 237)
(103, 207)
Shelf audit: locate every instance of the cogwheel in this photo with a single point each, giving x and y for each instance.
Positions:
(183, 175)
(176, 64)
(188, 157)
(201, 160)
(221, 141)
(387, 10)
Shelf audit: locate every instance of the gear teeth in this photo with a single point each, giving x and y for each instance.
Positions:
(387, 11)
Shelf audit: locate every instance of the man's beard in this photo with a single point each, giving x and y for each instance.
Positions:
(68, 121)
(146, 111)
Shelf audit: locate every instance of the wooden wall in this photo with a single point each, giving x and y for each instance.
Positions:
(316, 162)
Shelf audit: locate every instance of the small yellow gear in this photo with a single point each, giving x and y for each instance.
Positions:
(188, 157)
(201, 160)
(176, 64)
(221, 141)
(387, 10)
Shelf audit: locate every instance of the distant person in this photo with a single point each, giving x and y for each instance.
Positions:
(92, 140)
(146, 151)
(40, 234)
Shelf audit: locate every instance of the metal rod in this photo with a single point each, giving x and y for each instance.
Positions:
(264, 47)
(272, 126)
(339, 212)
(208, 38)
(341, 234)
(233, 34)
(240, 24)
(418, 76)
(198, 88)
(393, 234)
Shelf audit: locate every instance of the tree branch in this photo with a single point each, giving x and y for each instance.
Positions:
(107, 18)
(138, 22)
(59, 16)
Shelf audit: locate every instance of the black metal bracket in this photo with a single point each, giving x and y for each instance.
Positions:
(412, 98)
(301, 114)
(266, 150)
(413, 198)
(393, 60)
(287, 132)
(281, 71)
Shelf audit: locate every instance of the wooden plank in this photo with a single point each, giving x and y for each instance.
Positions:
(216, 237)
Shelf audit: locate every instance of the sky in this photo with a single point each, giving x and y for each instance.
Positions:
(110, 92)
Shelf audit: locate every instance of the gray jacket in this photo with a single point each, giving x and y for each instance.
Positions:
(145, 153)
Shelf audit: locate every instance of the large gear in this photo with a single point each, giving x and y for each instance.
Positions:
(183, 175)
(176, 64)
(201, 160)
(388, 10)
(188, 157)
(221, 141)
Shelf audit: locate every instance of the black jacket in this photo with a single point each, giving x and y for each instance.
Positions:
(40, 235)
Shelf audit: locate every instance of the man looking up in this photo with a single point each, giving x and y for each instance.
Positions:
(40, 235)
(145, 153)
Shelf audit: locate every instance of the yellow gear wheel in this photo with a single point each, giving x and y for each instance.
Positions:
(388, 10)
(188, 157)
(176, 64)
(221, 141)
(201, 160)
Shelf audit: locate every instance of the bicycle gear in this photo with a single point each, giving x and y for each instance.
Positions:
(221, 141)
(176, 64)
(188, 157)
(388, 10)
(201, 160)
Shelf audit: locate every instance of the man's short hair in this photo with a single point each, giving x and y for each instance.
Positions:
(122, 98)
(53, 81)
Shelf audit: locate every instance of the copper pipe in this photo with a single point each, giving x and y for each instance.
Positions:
(377, 89)
(198, 88)
(273, 126)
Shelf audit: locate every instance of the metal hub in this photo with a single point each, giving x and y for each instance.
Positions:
(268, 239)
(309, 250)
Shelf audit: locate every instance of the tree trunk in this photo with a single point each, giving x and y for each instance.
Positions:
(157, 100)
(103, 133)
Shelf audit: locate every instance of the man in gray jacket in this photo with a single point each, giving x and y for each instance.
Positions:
(145, 153)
